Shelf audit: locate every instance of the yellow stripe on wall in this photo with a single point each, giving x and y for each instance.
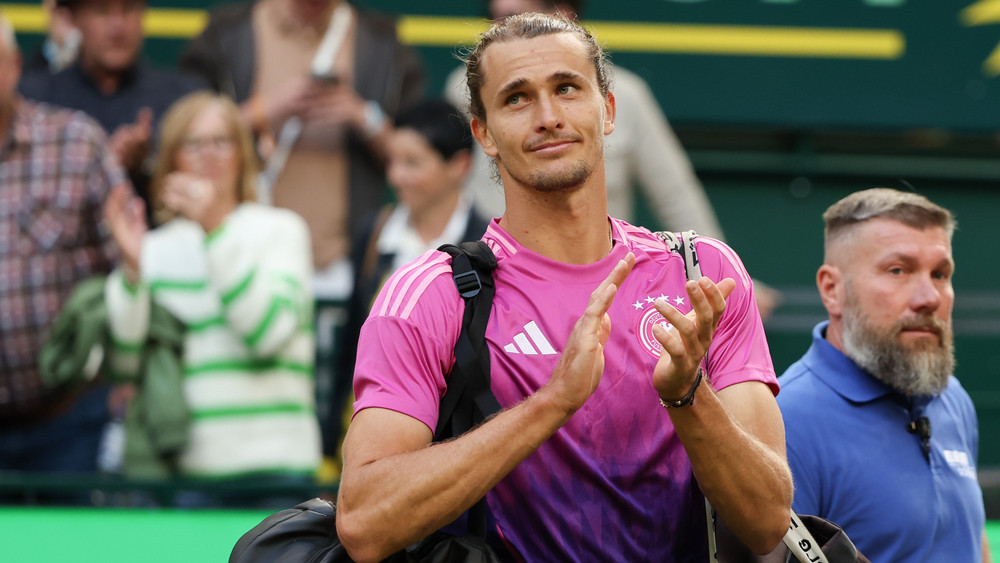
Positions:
(174, 23)
(981, 13)
(26, 17)
(434, 31)
(689, 38)
(752, 40)
(440, 31)
(158, 22)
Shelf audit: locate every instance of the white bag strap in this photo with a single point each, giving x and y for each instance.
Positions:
(799, 541)
(683, 244)
(713, 549)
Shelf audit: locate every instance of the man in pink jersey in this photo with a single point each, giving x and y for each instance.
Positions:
(583, 463)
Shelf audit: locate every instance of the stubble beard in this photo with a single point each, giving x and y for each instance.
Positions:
(920, 368)
(566, 180)
(575, 175)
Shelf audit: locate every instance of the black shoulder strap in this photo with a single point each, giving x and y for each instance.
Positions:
(469, 400)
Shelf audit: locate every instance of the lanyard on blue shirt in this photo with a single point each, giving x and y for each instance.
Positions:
(920, 424)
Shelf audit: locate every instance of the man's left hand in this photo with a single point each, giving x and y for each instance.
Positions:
(689, 336)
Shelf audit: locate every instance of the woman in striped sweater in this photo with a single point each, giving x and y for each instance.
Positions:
(237, 274)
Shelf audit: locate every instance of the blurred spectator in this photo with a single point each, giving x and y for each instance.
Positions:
(429, 157)
(62, 42)
(110, 82)
(55, 173)
(267, 56)
(316, 80)
(237, 274)
(642, 151)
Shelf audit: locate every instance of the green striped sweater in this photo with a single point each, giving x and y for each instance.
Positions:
(243, 292)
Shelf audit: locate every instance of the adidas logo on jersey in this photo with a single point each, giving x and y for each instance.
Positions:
(530, 342)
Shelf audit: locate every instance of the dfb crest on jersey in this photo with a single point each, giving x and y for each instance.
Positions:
(650, 317)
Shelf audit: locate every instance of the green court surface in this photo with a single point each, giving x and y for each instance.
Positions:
(110, 535)
(44, 535)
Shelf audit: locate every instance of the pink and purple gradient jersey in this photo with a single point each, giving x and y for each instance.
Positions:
(614, 483)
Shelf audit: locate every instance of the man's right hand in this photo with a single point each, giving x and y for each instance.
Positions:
(582, 363)
(130, 141)
(280, 104)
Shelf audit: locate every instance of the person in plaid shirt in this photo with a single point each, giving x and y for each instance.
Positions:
(55, 172)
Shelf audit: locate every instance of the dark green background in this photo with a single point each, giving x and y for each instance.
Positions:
(776, 140)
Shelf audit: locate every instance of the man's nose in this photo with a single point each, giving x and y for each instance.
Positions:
(927, 295)
(549, 114)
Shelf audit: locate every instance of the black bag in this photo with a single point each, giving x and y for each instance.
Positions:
(308, 532)
(826, 537)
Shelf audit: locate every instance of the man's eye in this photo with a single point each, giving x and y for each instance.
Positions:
(514, 99)
(565, 88)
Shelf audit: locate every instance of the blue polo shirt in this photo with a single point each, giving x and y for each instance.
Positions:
(855, 462)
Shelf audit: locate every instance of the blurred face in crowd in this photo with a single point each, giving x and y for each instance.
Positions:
(419, 175)
(310, 10)
(209, 149)
(111, 33)
(896, 302)
(546, 116)
(500, 9)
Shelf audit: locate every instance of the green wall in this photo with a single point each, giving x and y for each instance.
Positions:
(935, 77)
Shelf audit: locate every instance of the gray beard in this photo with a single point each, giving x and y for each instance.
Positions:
(920, 369)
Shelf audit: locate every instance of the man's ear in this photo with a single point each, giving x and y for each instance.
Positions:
(609, 113)
(483, 136)
(830, 282)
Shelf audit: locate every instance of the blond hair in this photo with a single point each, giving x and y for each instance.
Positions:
(913, 210)
(173, 130)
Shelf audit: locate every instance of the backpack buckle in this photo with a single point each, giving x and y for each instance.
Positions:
(468, 284)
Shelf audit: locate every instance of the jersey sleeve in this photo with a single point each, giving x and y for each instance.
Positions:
(739, 351)
(406, 347)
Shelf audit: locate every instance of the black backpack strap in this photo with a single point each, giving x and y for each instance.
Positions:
(469, 400)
